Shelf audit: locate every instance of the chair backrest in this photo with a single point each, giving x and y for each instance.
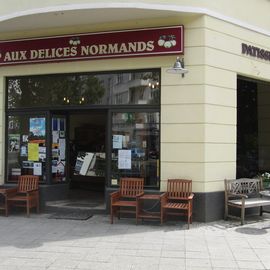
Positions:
(131, 187)
(179, 188)
(27, 183)
(248, 186)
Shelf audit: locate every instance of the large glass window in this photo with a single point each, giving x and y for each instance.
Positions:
(253, 127)
(26, 146)
(135, 146)
(84, 89)
(135, 132)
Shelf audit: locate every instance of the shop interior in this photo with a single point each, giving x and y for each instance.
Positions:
(87, 158)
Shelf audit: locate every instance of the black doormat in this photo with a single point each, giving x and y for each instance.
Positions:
(73, 214)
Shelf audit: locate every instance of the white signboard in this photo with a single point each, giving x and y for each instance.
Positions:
(37, 168)
(124, 159)
(117, 141)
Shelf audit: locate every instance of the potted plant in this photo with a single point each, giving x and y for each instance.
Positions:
(266, 180)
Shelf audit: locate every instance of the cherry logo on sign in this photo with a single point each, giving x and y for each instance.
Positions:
(167, 41)
(74, 41)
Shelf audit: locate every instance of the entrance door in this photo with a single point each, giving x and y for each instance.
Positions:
(59, 144)
(87, 130)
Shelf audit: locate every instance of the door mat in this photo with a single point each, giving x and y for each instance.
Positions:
(73, 214)
(82, 204)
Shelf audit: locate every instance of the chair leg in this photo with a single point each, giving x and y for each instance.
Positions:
(188, 218)
(111, 214)
(37, 205)
(161, 215)
(6, 207)
(242, 215)
(28, 208)
(226, 212)
(136, 212)
(164, 214)
(261, 210)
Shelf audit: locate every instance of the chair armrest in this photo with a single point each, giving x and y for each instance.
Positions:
(115, 196)
(11, 192)
(163, 198)
(190, 197)
(237, 195)
(30, 192)
(140, 194)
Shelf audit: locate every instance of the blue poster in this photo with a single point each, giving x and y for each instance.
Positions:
(37, 126)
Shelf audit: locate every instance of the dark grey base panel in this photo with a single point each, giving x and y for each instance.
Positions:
(53, 193)
(208, 206)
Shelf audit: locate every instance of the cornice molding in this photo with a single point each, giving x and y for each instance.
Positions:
(136, 5)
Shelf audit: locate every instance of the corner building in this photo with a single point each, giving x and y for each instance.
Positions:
(86, 97)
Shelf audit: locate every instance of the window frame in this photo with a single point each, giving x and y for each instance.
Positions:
(110, 108)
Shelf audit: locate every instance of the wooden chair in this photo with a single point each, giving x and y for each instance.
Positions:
(26, 194)
(126, 197)
(178, 199)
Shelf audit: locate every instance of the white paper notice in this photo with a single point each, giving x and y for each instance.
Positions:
(23, 151)
(55, 136)
(124, 159)
(62, 148)
(117, 141)
(37, 168)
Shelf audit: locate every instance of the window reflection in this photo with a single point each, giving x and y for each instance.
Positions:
(84, 89)
(135, 146)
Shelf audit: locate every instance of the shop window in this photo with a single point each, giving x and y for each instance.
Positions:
(253, 122)
(26, 146)
(84, 89)
(135, 146)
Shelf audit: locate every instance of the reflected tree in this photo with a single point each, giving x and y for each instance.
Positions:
(54, 90)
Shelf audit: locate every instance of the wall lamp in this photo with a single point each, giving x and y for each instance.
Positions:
(178, 67)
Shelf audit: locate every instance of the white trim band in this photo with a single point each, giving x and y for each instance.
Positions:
(143, 6)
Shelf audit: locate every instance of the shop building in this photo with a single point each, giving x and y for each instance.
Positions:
(83, 82)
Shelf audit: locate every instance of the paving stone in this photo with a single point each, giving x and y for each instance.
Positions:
(39, 243)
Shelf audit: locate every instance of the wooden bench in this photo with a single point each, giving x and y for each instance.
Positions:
(26, 194)
(178, 199)
(125, 199)
(243, 193)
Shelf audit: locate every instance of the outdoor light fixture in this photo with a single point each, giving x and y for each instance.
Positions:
(178, 67)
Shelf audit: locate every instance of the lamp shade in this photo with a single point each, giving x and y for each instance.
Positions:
(178, 67)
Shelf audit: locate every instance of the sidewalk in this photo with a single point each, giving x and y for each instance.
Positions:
(39, 243)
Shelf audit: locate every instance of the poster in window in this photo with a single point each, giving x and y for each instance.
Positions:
(23, 151)
(37, 127)
(37, 168)
(25, 138)
(33, 151)
(124, 159)
(62, 149)
(13, 142)
(117, 141)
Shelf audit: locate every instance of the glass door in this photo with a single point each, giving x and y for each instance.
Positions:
(59, 143)
(26, 149)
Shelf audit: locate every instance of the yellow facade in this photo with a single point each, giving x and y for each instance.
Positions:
(198, 112)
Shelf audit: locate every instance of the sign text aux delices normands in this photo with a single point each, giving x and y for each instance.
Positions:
(116, 44)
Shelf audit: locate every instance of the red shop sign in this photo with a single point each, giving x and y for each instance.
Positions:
(128, 43)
